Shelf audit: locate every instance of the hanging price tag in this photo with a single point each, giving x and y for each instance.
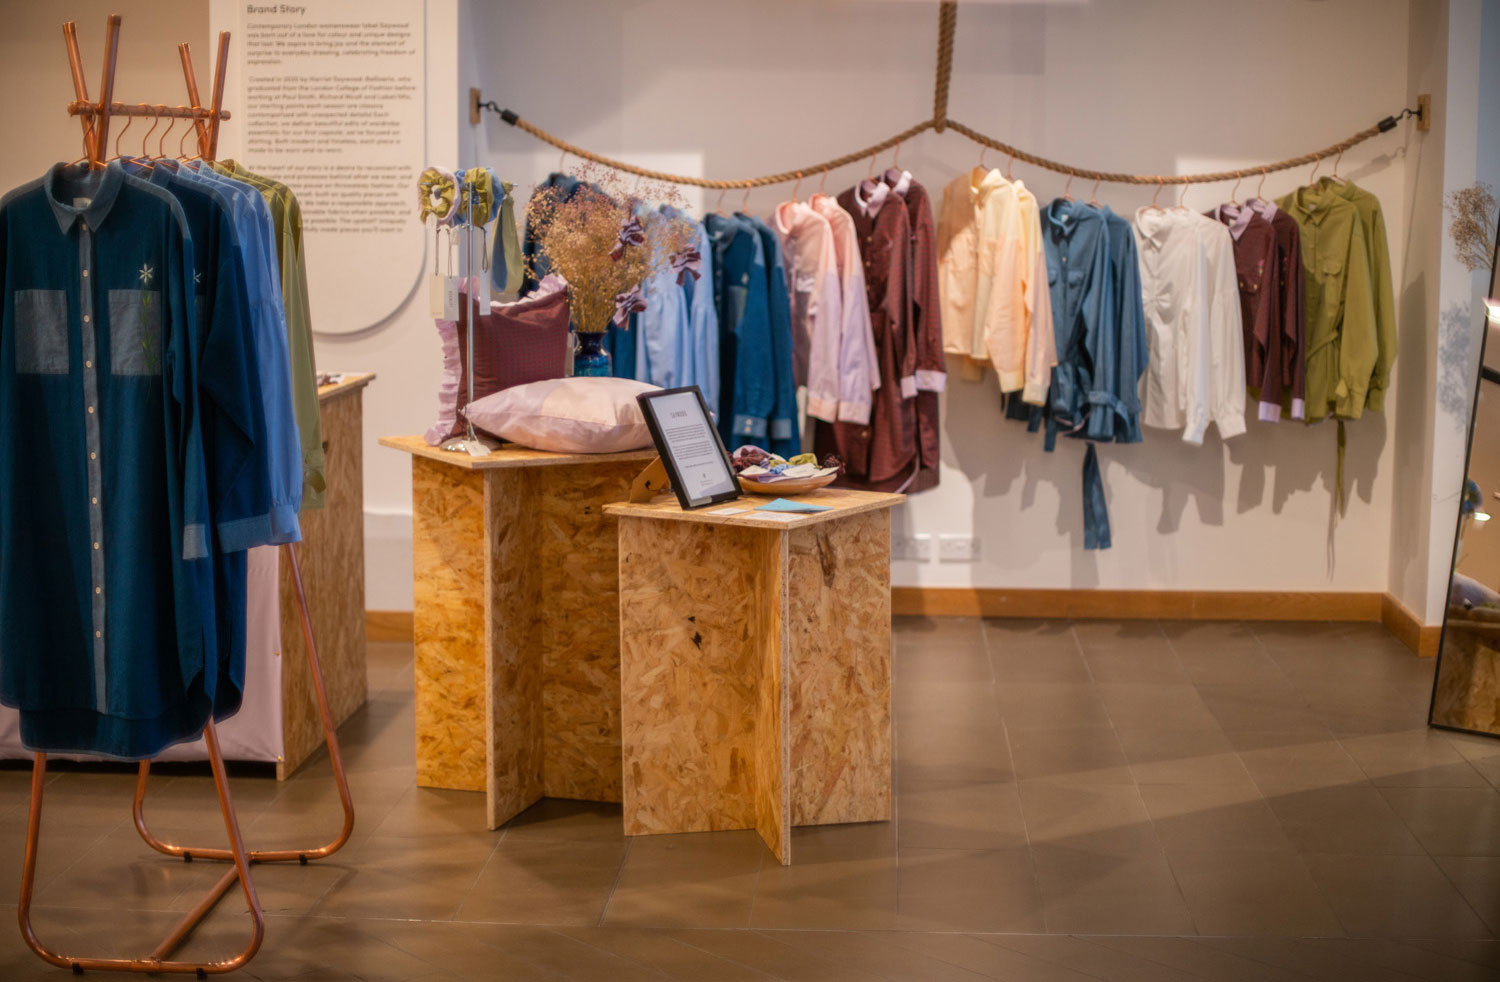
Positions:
(482, 294)
(451, 301)
(436, 288)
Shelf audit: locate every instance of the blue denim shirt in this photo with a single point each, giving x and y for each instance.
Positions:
(747, 394)
(283, 447)
(785, 437)
(678, 343)
(104, 515)
(1117, 351)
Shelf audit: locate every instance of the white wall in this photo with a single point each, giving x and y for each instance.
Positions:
(38, 85)
(729, 90)
(1145, 87)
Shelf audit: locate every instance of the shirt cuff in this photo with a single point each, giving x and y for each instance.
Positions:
(929, 380)
(1012, 381)
(1299, 409)
(1375, 399)
(822, 407)
(1270, 412)
(195, 541)
(1231, 426)
(1350, 404)
(854, 412)
(1035, 393)
(1194, 433)
(749, 426)
(909, 387)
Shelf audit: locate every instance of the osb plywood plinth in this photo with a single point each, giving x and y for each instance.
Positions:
(517, 623)
(755, 669)
(840, 621)
(332, 559)
(448, 623)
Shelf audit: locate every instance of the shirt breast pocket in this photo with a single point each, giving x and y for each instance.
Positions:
(1331, 280)
(134, 332)
(42, 332)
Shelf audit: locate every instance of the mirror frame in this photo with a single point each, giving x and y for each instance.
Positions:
(1480, 374)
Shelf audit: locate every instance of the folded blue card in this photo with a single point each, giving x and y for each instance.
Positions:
(783, 504)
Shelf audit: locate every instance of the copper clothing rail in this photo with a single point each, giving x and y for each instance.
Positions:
(939, 121)
(94, 118)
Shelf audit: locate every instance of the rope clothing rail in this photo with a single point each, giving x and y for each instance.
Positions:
(947, 28)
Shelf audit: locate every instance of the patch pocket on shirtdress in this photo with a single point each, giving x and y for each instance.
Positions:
(42, 332)
(1331, 280)
(134, 332)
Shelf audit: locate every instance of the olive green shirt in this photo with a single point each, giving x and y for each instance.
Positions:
(286, 216)
(1377, 249)
(1341, 339)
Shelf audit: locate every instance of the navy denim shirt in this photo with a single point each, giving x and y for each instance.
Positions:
(747, 390)
(106, 597)
(785, 438)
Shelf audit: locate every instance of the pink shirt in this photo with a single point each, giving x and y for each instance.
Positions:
(812, 273)
(858, 371)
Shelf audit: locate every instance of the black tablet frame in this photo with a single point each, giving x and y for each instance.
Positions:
(645, 399)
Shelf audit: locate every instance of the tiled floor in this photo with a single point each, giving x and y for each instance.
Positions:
(1106, 801)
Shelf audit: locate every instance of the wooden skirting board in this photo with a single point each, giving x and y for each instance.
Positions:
(1381, 608)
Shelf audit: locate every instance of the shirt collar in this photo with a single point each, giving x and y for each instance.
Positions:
(870, 201)
(1265, 209)
(100, 202)
(1062, 215)
(899, 180)
(1238, 218)
(1155, 224)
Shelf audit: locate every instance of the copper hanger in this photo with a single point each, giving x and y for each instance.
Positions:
(1313, 177)
(1159, 185)
(823, 181)
(562, 156)
(1010, 166)
(797, 188)
(155, 122)
(984, 148)
(128, 120)
(1235, 190)
(745, 201)
(896, 157)
(1094, 194)
(1067, 187)
(719, 206)
(871, 176)
(1336, 164)
(1261, 184)
(1183, 194)
(171, 122)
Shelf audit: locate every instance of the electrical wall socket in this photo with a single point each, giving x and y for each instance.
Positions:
(913, 548)
(958, 549)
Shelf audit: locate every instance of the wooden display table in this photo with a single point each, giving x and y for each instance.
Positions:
(516, 622)
(755, 665)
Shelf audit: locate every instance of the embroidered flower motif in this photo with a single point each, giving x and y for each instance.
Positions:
(147, 271)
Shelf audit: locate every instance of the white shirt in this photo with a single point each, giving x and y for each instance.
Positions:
(1196, 373)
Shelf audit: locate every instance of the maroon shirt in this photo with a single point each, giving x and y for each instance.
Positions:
(1292, 319)
(885, 449)
(1257, 275)
(927, 360)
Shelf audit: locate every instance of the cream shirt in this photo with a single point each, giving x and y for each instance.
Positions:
(1196, 372)
(1016, 319)
(958, 249)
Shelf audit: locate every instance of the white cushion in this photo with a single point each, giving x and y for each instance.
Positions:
(567, 415)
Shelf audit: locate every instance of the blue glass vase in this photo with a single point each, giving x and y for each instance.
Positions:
(589, 357)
